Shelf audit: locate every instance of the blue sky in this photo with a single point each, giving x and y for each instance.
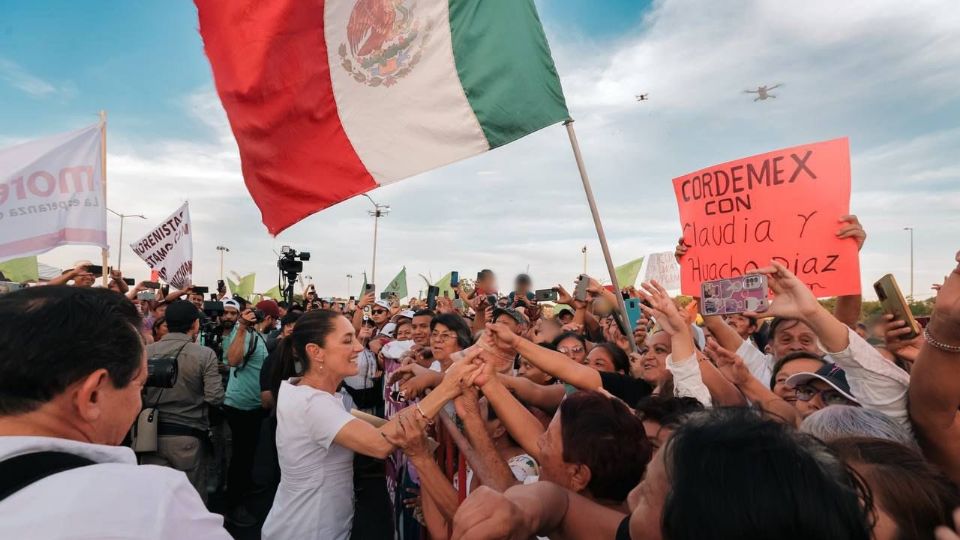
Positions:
(883, 73)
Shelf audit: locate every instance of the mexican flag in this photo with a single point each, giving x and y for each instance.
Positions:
(331, 99)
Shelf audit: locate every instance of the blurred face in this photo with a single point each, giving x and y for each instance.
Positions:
(405, 332)
(640, 332)
(654, 364)
(420, 332)
(84, 279)
(741, 324)
(793, 336)
(380, 315)
(532, 372)
(443, 342)
(646, 501)
(816, 395)
(287, 330)
(600, 360)
(565, 317)
(800, 365)
(160, 311)
(509, 322)
(161, 330)
(339, 352)
(545, 331)
(573, 348)
(197, 301)
(229, 317)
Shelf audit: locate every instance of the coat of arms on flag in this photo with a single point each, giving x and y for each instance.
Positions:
(384, 41)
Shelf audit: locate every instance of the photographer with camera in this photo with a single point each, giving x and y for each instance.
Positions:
(183, 425)
(246, 350)
(65, 406)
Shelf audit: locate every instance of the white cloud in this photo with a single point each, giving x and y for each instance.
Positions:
(882, 72)
(18, 77)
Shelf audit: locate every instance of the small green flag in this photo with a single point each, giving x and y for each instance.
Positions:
(398, 285)
(363, 288)
(22, 269)
(627, 273)
(444, 285)
(274, 293)
(243, 287)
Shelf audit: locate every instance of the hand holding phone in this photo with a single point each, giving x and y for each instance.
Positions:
(734, 295)
(580, 293)
(888, 292)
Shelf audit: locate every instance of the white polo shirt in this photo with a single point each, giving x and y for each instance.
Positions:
(113, 499)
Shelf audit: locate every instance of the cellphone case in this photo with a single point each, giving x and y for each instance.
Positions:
(894, 303)
(734, 295)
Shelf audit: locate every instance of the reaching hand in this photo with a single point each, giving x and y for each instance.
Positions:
(503, 336)
(893, 332)
(410, 434)
(564, 297)
(487, 514)
(663, 308)
(366, 300)
(247, 318)
(792, 299)
(415, 387)
(852, 229)
(445, 305)
(730, 364)
(944, 533)
(405, 372)
(467, 403)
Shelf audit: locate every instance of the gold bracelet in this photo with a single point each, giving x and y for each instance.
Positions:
(953, 349)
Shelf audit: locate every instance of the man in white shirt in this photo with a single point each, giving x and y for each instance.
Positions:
(72, 366)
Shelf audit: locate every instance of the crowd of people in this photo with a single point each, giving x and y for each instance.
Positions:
(485, 415)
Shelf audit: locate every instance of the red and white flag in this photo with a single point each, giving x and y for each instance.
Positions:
(331, 99)
(51, 194)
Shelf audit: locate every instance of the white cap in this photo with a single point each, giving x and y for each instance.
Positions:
(231, 303)
(383, 303)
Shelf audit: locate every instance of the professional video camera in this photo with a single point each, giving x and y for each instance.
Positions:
(162, 371)
(290, 265)
(211, 330)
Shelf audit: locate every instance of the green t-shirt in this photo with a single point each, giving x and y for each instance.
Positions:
(243, 385)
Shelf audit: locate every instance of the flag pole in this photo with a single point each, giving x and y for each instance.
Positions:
(104, 252)
(596, 221)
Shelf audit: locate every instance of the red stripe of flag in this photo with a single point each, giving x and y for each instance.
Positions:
(271, 69)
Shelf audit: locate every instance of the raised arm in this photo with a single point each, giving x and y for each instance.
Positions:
(522, 425)
(487, 461)
(847, 309)
(552, 362)
(546, 397)
(935, 381)
(365, 301)
(733, 369)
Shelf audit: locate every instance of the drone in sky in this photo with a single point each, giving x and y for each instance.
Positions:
(763, 92)
(643, 97)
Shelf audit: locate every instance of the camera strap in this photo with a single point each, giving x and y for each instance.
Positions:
(251, 348)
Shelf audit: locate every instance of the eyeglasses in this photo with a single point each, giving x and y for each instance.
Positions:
(567, 350)
(441, 337)
(379, 311)
(828, 396)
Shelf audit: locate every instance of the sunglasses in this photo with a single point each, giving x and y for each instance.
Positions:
(378, 311)
(828, 396)
(567, 350)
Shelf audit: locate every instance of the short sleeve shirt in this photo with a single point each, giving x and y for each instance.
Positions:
(243, 385)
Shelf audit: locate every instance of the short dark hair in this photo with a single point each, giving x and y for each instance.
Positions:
(556, 341)
(312, 327)
(668, 411)
(54, 336)
(425, 313)
(604, 435)
(484, 273)
(290, 318)
(916, 495)
(458, 325)
(789, 358)
(712, 461)
(523, 279)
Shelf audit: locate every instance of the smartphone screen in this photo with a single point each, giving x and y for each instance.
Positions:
(633, 312)
(454, 279)
(432, 293)
(734, 295)
(580, 293)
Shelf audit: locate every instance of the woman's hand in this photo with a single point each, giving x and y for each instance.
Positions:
(410, 434)
(681, 249)
(445, 305)
(792, 299)
(730, 364)
(945, 321)
(405, 372)
(366, 300)
(415, 387)
(852, 229)
(893, 332)
(564, 297)
(467, 403)
(663, 308)
(502, 336)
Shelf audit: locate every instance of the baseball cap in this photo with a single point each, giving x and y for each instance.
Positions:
(181, 313)
(408, 313)
(510, 312)
(383, 303)
(831, 374)
(231, 303)
(389, 330)
(269, 307)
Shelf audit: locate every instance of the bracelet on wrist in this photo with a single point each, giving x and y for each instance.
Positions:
(939, 345)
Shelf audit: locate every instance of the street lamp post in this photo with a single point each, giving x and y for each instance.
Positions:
(911, 260)
(222, 250)
(379, 211)
(122, 218)
(584, 251)
(349, 277)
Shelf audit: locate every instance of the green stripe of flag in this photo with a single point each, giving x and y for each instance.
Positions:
(504, 64)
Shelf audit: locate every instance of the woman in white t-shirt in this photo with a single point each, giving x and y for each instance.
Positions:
(317, 436)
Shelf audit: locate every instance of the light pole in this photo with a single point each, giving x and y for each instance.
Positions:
(584, 251)
(222, 250)
(349, 277)
(122, 218)
(379, 211)
(911, 260)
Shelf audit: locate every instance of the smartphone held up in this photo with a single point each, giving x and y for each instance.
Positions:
(735, 295)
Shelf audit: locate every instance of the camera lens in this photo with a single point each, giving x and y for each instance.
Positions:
(161, 372)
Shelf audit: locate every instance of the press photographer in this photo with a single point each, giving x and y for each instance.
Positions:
(183, 423)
